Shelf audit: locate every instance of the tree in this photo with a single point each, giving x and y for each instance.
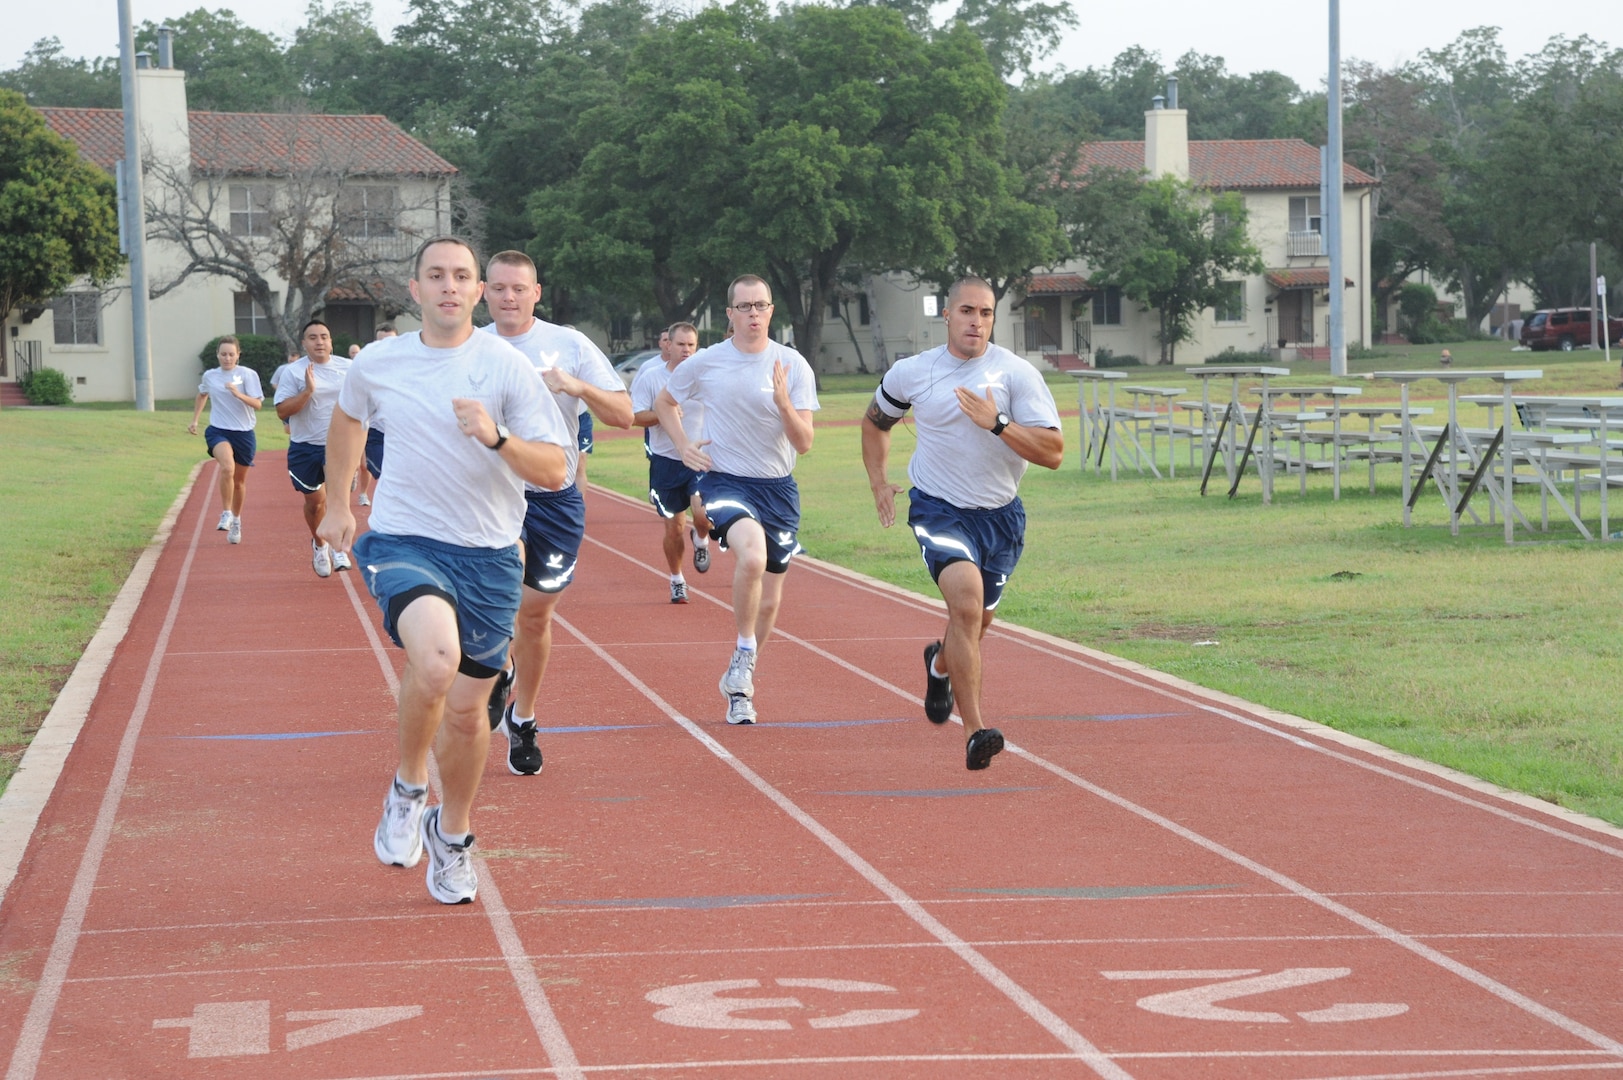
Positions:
(229, 66)
(1016, 33)
(58, 221)
(310, 222)
(1173, 252)
(45, 77)
(337, 58)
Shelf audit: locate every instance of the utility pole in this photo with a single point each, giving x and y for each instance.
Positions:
(1331, 185)
(134, 212)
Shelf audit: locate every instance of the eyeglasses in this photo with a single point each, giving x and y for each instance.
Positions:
(748, 306)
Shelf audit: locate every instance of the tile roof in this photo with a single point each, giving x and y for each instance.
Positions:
(1231, 163)
(250, 144)
(1302, 277)
(1057, 285)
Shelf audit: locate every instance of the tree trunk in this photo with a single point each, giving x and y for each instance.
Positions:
(880, 354)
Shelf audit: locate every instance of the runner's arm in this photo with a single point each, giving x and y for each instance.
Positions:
(346, 441)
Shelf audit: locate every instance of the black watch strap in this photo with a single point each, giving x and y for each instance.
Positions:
(501, 438)
(1002, 422)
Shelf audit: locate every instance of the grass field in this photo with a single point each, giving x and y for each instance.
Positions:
(1497, 661)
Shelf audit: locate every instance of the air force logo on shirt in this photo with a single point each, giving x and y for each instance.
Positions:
(550, 359)
(476, 382)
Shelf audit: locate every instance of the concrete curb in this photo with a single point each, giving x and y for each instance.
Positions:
(36, 776)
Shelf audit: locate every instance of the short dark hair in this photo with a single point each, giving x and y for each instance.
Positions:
(384, 328)
(675, 326)
(969, 279)
(417, 260)
(513, 258)
(745, 279)
(314, 322)
(228, 339)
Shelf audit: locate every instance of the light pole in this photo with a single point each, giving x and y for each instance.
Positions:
(134, 212)
(1331, 185)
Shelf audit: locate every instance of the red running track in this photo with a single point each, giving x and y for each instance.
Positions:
(1152, 882)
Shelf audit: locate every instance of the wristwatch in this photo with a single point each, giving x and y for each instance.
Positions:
(501, 437)
(1003, 421)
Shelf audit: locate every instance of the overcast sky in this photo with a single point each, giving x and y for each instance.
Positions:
(1251, 35)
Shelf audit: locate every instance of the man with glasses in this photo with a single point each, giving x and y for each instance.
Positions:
(672, 486)
(758, 398)
(981, 414)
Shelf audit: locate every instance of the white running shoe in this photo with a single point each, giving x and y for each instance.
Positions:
(340, 560)
(399, 841)
(321, 558)
(701, 551)
(740, 709)
(451, 877)
(226, 517)
(365, 499)
(740, 675)
(234, 534)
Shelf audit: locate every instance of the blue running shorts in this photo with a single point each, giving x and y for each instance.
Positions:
(374, 452)
(774, 503)
(243, 443)
(991, 539)
(554, 523)
(307, 465)
(671, 485)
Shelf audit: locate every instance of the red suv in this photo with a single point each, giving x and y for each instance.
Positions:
(1565, 329)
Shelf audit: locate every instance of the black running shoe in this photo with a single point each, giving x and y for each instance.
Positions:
(937, 691)
(498, 697)
(523, 756)
(983, 746)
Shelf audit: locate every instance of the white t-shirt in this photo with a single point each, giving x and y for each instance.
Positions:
(309, 424)
(225, 411)
(741, 420)
(548, 345)
(651, 379)
(441, 483)
(956, 459)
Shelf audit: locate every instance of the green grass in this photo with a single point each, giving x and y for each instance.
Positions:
(83, 490)
(1499, 661)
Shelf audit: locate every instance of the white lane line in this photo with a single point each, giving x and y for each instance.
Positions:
(25, 1056)
(1027, 1002)
(1160, 683)
(1519, 1070)
(554, 1041)
(1395, 937)
(30, 787)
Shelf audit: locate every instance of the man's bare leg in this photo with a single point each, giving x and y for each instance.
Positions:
(967, 623)
(227, 459)
(442, 709)
(674, 543)
(747, 541)
(532, 649)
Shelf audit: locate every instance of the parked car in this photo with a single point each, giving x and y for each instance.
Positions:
(628, 363)
(1565, 329)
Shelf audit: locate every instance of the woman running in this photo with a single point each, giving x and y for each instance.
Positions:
(234, 394)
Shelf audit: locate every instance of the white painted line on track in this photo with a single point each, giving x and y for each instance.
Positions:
(554, 1041)
(31, 785)
(25, 1056)
(1027, 1002)
(1519, 1070)
(1405, 941)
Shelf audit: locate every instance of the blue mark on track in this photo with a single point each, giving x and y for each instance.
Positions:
(275, 736)
(932, 793)
(1109, 717)
(692, 903)
(590, 727)
(837, 723)
(1102, 892)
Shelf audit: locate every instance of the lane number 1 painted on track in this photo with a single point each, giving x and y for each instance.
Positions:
(1201, 1002)
(700, 1005)
(234, 1028)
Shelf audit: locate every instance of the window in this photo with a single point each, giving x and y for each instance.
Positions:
(77, 318)
(862, 309)
(1305, 214)
(366, 211)
(836, 308)
(1230, 306)
(250, 209)
(1107, 306)
(251, 318)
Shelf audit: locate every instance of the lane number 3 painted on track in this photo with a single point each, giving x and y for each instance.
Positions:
(1201, 1002)
(701, 1005)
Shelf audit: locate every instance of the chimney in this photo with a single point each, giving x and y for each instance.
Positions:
(1166, 136)
(166, 47)
(143, 61)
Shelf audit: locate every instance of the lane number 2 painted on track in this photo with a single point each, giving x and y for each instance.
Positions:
(701, 1005)
(1201, 1002)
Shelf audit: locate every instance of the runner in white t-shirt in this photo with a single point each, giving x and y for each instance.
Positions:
(981, 413)
(469, 425)
(234, 396)
(758, 399)
(305, 396)
(579, 377)
(673, 488)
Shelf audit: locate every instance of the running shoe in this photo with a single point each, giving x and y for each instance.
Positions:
(234, 534)
(937, 691)
(321, 558)
(451, 877)
(679, 592)
(740, 675)
(398, 841)
(523, 756)
(740, 709)
(983, 746)
(498, 697)
(340, 560)
(365, 499)
(226, 518)
(701, 551)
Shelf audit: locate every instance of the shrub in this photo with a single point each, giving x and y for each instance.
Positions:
(1234, 356)
(1104, 358)
(260, 353)
(46, 386)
